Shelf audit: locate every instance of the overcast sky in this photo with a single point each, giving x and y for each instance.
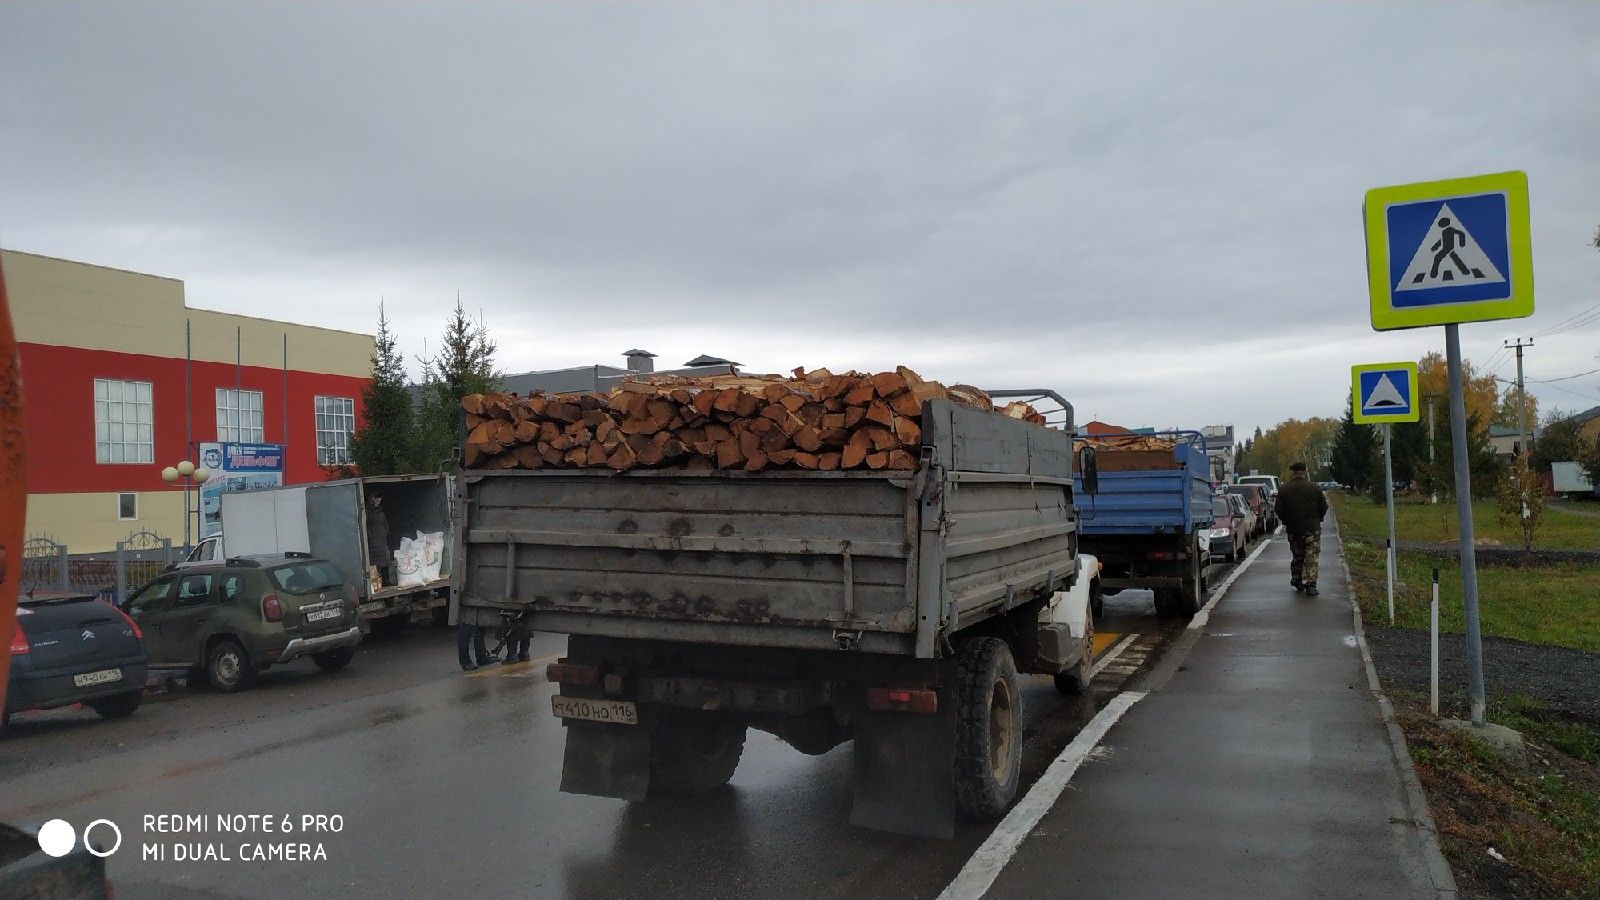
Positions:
(1153, 209)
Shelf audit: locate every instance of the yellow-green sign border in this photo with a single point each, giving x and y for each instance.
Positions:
(1386, 317)
(1378, 419)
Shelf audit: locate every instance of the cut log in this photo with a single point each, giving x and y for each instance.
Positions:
(827, 462)
(860, 395)
(807, 460)
(807, 439)
(906, 404)
(879, 412)
(623, 458)
(888, 384)
(729, 455)
(901, 459)
(879, 460)
(908, 432)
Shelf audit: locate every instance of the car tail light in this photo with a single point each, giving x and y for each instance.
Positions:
(271, 609)
(19, 642)
(138, 633)
(917, 700)
(567, 673)
(1163, 555)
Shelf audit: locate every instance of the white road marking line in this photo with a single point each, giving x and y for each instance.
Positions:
(978, 875)
(1204, 615)
(1111, 654)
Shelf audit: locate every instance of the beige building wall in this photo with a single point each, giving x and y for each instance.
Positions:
(88, 523)
(71, 304)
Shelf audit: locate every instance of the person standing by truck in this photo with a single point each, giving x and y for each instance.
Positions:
(378, 553)
(1301, 507)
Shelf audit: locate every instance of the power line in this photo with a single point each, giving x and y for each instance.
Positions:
(1580, 320)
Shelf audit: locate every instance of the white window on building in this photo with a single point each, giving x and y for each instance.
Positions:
(239, 416)
(122, 422)
(336, 423)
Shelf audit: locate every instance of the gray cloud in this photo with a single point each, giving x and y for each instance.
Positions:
(1107, 200)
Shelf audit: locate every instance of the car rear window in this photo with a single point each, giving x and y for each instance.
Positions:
(1221, 508)
(306, 577)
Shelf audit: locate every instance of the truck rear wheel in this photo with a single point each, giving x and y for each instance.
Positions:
(1192, 595)
(692, 752)
(988, 729)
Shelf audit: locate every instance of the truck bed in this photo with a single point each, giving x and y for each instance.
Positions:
(880, 562)
(1147, 492)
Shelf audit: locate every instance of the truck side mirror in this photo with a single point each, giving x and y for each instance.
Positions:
(1091, 472)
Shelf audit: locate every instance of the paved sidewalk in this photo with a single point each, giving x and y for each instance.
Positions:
(1261, 768)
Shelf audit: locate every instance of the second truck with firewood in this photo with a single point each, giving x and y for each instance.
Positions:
(768, 576)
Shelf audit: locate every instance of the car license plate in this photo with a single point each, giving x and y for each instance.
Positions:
(375, 606)
(104, 676)
(321, 614)
(616, 712)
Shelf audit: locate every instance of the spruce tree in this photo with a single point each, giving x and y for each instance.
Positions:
(383, 444)
(1353, 452)
(464, 364)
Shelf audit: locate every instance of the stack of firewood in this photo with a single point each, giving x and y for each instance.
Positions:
(813, 420)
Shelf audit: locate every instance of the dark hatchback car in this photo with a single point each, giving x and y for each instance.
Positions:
(75, 649)
(231, 619)
(1256, 496)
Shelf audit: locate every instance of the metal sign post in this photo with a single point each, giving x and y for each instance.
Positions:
(1383, 394)
(1388, 498)
(1443, 253)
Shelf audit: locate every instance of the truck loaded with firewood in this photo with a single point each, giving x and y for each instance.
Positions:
(827, 558)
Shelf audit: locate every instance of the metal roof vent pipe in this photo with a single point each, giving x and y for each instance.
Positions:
(641, 361)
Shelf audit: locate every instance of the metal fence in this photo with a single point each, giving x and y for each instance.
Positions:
(48, 567)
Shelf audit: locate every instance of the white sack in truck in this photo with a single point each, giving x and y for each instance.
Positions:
(408, 563)
(429, 547)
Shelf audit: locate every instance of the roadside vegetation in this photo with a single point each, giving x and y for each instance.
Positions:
(1508, 831)
(1513, 831)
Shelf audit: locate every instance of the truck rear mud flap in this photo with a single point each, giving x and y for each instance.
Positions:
(905, 771)
(606, 760)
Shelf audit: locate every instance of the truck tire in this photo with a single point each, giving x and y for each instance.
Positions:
(692, 752)
(335, 659)
(228, 667)
(1075, 681)
(1097, 601)
(1192, 595)
(988, 729)
(1166, 602)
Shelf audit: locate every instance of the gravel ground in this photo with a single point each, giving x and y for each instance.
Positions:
(1564, 678)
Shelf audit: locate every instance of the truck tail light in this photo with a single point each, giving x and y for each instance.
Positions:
(271, 609)
(917, 700)
(567, 673)
(1161, 555)
(19, 642)
(138, 633)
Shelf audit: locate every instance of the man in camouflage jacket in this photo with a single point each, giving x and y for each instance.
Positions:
(1301, 507)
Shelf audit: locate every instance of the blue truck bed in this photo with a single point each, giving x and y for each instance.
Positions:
(1174, 499)
(1144, 522)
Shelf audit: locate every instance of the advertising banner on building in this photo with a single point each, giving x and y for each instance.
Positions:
(235, 467)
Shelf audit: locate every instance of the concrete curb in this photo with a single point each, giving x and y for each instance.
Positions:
(1439, 872)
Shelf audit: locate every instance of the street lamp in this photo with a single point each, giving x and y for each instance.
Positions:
(192, 477)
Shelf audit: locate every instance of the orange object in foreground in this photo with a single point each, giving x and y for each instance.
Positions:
(13, 487)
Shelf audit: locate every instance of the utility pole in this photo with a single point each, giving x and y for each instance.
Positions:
(1522, 398)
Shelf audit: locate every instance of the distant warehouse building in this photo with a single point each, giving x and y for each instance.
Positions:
(111, 398)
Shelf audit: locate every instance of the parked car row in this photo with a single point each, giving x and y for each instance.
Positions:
(225, 621)
(1242, 513)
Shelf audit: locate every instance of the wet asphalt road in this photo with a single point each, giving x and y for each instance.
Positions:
(447, 785)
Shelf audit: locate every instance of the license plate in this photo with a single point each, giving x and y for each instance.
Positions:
(321, 614)
(616, 712)
(376, 606)
(104, 676)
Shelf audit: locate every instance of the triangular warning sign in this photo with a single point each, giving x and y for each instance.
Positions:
(1384, 395)
(1448, 257)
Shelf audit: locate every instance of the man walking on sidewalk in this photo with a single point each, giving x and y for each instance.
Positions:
(1301, 507)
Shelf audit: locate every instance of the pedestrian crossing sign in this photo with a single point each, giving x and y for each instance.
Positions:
(1384, 392)
(1449, 251)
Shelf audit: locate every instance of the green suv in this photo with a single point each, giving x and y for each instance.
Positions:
(234, 618)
